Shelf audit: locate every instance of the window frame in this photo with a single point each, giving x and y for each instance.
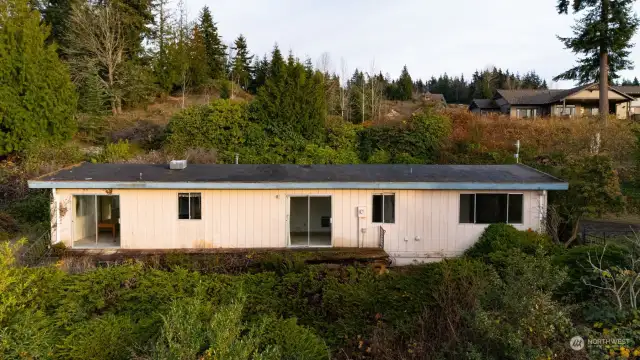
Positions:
(475, 206)
(189, 196)
(394, 208)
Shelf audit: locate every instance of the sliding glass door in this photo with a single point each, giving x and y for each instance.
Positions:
(309, 219)
(96, 221)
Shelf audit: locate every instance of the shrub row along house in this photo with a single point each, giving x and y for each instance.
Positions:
(413, 212)
(580, 101)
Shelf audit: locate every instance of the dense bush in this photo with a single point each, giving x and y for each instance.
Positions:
(498, 239)
(116, 152)
(418, 139)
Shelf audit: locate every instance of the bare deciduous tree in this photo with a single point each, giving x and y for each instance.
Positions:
(96, 48)
(343, 88)
(618, 279)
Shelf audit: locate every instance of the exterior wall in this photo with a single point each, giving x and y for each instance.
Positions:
(426, 221)
(593, 95)
(540, 111)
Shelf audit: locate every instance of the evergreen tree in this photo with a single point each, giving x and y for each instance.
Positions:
(37, 99)
(603, 36)
(198, 72)
(358, 109)
(165, 72)
(291, 102)
(405, 85)
(260, 73)
(215, 49)
(636, 82)
(242, 63)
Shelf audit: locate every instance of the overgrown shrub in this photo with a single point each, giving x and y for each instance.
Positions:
(223, 125)
(32, 209)
(500, 238)
(116, 152)
(418, 139)
(41, 157)
(104, 337)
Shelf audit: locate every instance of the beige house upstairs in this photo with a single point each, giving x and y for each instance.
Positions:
(413, 212)
(579, 101)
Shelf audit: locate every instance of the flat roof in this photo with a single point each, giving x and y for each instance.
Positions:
(244, 176)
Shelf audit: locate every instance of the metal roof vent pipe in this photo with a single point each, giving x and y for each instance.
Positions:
(178, 164)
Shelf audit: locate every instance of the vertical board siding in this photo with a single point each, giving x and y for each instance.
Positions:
(257, 219)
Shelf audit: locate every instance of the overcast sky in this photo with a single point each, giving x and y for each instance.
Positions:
(431, 37)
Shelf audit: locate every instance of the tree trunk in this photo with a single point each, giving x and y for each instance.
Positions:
(574, 234)
(604, 87)
(604, 65)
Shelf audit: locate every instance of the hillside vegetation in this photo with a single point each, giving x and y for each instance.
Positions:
(514, 295)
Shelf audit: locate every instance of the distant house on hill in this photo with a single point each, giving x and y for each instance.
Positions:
(436, 99)
(484, 106)
(578, 101)
(632, 108)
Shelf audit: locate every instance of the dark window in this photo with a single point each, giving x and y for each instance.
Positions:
(467, 208)
(515, 208)
(189, 206)
(384, 208)
(491, 208)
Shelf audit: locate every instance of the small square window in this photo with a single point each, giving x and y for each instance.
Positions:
(189, 206)
(384, 208)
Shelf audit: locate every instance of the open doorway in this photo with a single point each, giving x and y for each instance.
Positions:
(310, 221)
(96, 221)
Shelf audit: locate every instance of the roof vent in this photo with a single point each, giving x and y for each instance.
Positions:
(178, 164)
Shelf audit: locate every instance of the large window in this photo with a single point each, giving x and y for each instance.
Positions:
(189, 206)
(491, 208)
(384, 208)
(526, 113)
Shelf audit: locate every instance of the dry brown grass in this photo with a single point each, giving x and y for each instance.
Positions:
(543, 135)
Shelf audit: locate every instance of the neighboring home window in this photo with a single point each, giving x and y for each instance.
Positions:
(526, 113)
(189, 206)
(384, 208)
(565, 110)
(491, 208)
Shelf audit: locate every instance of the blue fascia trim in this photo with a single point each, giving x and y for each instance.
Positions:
(36, 184)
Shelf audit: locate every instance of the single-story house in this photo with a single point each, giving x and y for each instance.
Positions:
(579, 101)
(411, 211)
(632, 108)
(484, 106)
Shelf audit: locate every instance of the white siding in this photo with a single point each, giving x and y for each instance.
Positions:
(426, 221)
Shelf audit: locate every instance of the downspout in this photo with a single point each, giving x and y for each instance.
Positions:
(56, 203)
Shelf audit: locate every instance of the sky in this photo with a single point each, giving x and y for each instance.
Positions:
(430, 37)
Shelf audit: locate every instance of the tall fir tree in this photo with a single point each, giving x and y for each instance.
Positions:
(242, 63)
(603, 37)
(215, 48)
(259, 74)
(198, 72)
(291, 102)
(37, 98)
(405, 85)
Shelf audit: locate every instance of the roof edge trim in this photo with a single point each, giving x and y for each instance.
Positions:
(38, 184)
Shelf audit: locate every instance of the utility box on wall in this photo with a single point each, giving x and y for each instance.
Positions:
(362, 212)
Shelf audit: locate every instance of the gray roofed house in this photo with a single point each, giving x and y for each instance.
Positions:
(579, 101)
(411, 212)
(483, 106)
